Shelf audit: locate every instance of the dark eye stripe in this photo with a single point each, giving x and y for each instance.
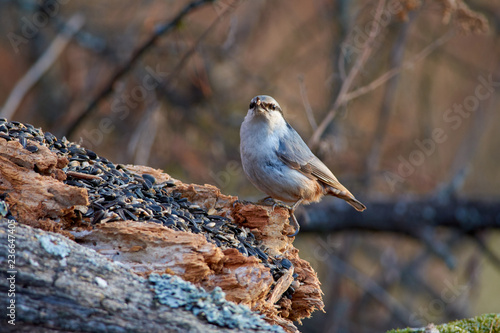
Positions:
(271, 106)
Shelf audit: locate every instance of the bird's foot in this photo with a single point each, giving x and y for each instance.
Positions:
(268, 201)
(294, 222)
(243, 202)
(293, 218)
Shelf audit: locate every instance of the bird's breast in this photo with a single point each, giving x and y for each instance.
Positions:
(266, 170)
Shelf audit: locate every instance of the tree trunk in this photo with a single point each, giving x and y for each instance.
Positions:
(58, 285)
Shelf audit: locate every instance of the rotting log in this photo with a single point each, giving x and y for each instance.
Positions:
(32, 184)
(61, 286)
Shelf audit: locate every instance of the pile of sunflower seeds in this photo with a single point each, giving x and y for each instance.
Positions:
(117, 194)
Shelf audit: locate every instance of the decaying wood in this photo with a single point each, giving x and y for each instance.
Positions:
(37, 197)
(151, 248)
(267, 224)
(35, 194)
(282, 285)
(61, 286)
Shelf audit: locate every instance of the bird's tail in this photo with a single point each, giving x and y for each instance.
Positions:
(356, 204)
(343, 193)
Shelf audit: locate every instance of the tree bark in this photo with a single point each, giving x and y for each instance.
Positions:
(62, 286)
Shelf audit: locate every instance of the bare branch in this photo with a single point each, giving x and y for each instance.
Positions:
(307, 105)
(346, 85)
(183, 61)
(465, 153)
(141, 141)
(345, 96)
(407, 64)
(371, 287)
(41, 66)
(488, 253)
(396, 57)
(125, 68)
(403, 217)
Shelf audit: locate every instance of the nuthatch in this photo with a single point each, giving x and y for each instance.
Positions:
(279, 163)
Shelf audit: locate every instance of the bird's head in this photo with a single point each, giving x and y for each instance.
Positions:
(265, 107)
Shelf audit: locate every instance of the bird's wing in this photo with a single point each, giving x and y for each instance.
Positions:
(294, 152)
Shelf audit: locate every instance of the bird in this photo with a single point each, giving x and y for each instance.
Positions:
(279, 163)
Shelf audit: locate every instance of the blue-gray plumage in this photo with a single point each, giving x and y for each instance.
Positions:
(279, 163)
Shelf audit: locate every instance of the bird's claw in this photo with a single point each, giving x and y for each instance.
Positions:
(268, 201)
(295, 224)
(282, 205)
(243, 202)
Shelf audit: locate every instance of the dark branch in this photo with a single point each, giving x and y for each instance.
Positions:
(396, 60)
(406, 217)
(123, 69)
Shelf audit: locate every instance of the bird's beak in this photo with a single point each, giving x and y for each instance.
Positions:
(259, 108)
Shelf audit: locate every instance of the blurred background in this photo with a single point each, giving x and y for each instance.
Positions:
(399, 98)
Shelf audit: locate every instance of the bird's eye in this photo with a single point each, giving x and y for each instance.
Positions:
(252, 105)
(272, 106)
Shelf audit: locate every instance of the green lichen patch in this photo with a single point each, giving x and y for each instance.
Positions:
(54, 245)
(172, 291)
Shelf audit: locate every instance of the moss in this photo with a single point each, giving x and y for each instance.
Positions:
(487, 323)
